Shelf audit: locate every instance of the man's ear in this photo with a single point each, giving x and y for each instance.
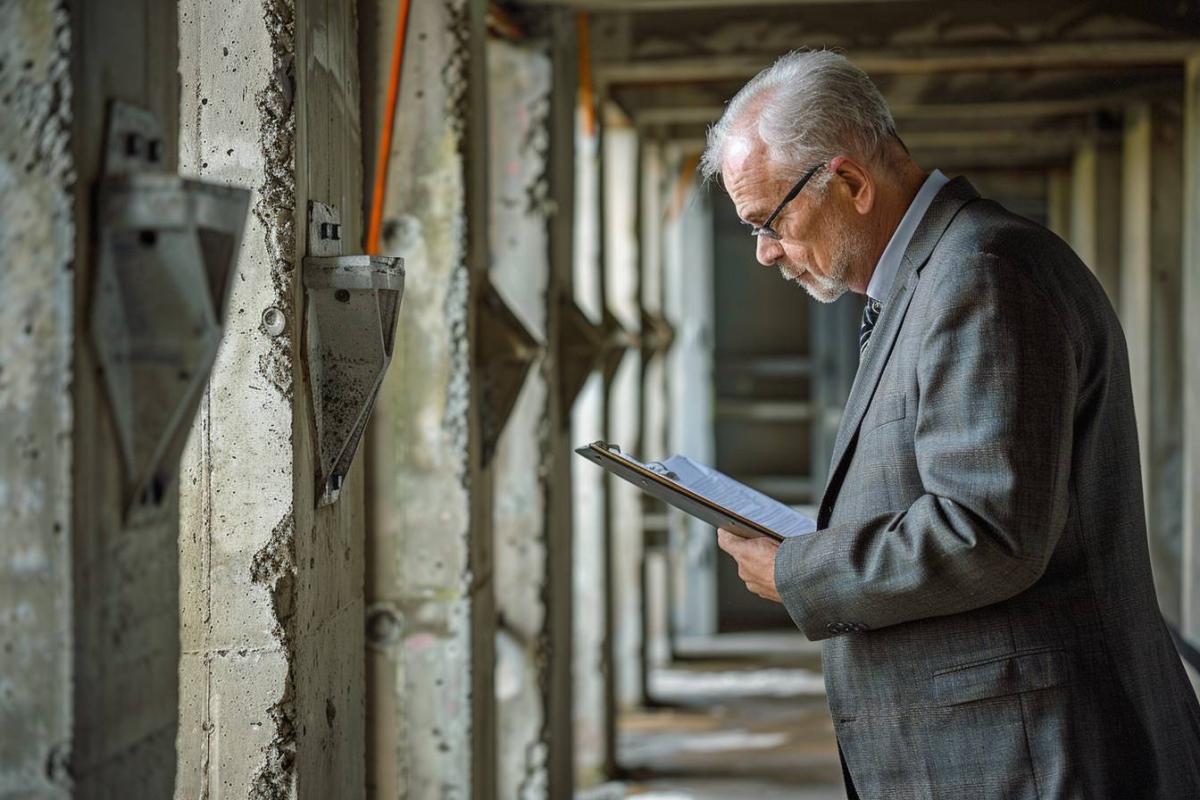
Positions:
(856, 182)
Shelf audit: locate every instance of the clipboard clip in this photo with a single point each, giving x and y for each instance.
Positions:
(659, 468)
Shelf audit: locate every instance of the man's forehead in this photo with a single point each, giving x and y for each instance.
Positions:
(743, 152)
(745, 173)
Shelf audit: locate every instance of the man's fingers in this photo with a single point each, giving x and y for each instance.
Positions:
(728, 541)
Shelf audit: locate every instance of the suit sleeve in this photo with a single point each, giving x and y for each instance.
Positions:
(997, 385)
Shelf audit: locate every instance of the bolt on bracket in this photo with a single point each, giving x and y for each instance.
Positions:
(165, 248)
(352, 303)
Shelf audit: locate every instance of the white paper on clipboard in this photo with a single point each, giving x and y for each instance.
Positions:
(716, 492)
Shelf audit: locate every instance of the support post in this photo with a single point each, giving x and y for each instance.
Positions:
(1191, 344)
(592, 667)
(1058, 202)
(89, 598)
(560, 543)
(1151, 283)
(620, 192)
(688, 280)
(272, 672)
(1095, 220)
(431, 615)
(520, 79)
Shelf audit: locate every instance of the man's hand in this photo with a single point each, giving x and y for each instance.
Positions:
(756, 562)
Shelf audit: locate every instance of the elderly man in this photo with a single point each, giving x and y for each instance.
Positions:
(980, 574)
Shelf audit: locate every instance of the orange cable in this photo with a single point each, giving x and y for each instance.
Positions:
(585, 73)
(385, 141)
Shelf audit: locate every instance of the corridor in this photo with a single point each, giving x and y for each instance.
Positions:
(307, 304)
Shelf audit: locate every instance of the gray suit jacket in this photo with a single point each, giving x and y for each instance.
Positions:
(980, 572)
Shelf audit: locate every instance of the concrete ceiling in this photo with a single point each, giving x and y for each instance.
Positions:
(1014, 84)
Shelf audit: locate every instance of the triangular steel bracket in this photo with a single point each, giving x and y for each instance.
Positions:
(352, 303)
(505, 351)
(165, 249)
(657, 334)
(580, 343)
(617, 342)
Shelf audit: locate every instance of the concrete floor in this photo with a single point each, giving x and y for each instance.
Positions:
(739, 717)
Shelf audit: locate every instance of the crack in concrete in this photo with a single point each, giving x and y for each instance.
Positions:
(276, 204)
(274, 566)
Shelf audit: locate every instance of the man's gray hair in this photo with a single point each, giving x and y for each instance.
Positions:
(807, 107)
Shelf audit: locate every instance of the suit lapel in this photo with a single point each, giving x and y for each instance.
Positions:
(945, 206)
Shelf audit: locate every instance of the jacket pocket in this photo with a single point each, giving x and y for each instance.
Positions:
(1006, 675)
(884, 409)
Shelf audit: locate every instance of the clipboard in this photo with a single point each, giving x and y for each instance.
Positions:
(609, 457)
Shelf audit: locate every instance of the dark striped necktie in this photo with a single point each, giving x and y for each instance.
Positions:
(869, 318)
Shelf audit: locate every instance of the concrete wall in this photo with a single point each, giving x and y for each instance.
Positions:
(88, 608)
(36, 340)
(1095, 203)
(519, 84)
(1150, 306)
(590, 706)
(429, 583)
(688, 300)
(1190, 293)
(621, 283)
(272, 675)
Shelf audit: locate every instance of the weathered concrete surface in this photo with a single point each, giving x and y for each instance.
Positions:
(1150, 286)
(688, 301)
(123, 576)
(653, 430)
(429, 590)
(37, 244)
(1095, 217)
(1190, 293)
(272, 701)
(590, 708)
(519, 82)
(88, 604)
(621, 284)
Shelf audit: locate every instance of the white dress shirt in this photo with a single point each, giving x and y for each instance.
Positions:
(889, 263)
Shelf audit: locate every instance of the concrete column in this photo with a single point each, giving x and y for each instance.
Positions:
(1151, 283)
(37, 337)
(431, 611)
(590, 556)
(1058, 202)
(653, 430)
(89, 635)
(625, 501)
(560, 458)
(519, 95)
(1095, 220)
(271, 676)
(1190, 293)
(688, 301)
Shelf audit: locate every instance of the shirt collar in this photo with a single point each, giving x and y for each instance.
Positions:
(889, 263)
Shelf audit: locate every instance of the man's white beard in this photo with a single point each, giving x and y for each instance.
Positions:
(827, 288)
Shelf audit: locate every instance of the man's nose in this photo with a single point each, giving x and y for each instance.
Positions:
(768, 251)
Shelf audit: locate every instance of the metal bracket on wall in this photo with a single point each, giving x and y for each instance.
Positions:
(352, 303)
(165, 248)
(504, 353)
(657, 334)
(581, 343)
(617, 342)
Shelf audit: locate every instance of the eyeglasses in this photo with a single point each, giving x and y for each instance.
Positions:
(765, 229)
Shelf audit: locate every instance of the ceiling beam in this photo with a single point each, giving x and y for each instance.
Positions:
(692, 5)
(924, 60)
(1002, 111)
